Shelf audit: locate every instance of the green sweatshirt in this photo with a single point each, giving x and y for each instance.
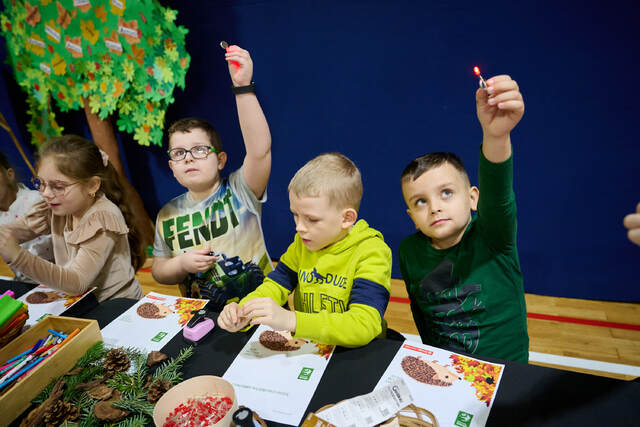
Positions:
(342, 290)
(469, 297)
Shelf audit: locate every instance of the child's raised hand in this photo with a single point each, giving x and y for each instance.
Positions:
(265, 311)
(632, 222)
(230, 318)
(240, 65)
(9, 248)
(500, 107)
(197, 261)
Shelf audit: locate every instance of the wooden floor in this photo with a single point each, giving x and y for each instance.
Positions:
(560, 337)
(559, 332)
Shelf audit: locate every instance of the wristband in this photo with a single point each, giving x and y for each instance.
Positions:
(250, 88)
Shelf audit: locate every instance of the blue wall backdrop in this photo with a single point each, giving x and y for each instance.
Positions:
(386, 81)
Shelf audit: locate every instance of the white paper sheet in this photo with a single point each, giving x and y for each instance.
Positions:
(371, 408)
(458, 390)
(43, 301)
(151, 322)
(278, 384)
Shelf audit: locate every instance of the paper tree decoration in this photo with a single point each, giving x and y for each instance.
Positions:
(115, 55)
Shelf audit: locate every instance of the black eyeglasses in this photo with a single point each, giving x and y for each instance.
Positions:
(58, 188)
(197, 152)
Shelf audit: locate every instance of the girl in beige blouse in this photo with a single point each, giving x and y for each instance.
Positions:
(94, 243)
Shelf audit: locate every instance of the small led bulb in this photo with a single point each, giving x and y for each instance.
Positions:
(225, 46)
(483, 84)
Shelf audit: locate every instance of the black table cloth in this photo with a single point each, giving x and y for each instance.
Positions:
(79, 309)
(528, 395)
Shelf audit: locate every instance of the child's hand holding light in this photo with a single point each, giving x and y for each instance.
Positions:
(240, 65)
(197, 261)
(499, 107)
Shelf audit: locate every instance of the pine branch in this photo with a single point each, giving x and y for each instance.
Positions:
(134, 421)
(136, 405)
(44, 394)
(132, 387)
(125, 383)
(170, 370)
(83, 402)
(141, 371)
(94, 354)
(133, 353)
(87, 418)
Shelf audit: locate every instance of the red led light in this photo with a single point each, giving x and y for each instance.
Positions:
(483, 84)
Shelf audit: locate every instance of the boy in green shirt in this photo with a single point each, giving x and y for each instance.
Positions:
(462, 272)
(340, 268)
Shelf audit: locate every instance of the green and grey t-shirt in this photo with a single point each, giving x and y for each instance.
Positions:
(229, 219)
(469, 297)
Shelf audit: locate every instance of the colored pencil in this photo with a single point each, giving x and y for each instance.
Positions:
(31, 350)
(58, 334)
(17, 374)
(71, 335)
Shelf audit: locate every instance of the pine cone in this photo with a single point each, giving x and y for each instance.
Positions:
(74, 413)
(59, 412)
(116, 360)
(157, 389)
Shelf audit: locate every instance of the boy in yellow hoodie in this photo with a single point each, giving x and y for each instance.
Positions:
(340, 268)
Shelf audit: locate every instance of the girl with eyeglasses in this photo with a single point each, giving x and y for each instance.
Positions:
(15, 201)
(84, 210)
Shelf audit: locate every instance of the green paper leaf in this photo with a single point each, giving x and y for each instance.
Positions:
(94, 103)
(100, 52)
(126, 124)
(170, 15)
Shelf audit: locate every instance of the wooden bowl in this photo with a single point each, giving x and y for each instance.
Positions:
(204, 385)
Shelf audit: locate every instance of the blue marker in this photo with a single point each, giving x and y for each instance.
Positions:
(31, 350)
(58, 334)
(22, 371)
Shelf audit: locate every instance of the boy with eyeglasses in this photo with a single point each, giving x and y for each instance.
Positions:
(209, 239)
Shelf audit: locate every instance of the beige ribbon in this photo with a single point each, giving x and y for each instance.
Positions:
(105, 158)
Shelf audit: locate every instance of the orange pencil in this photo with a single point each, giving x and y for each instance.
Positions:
(71, 335)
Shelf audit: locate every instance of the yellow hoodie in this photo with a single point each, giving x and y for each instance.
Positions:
(342, 290)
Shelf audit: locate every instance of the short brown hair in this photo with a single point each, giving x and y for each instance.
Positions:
(186, 125)
(426, 162)
(332, 174)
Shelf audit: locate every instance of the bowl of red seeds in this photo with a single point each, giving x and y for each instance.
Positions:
(206, 400)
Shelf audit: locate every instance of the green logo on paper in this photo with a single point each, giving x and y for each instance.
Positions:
(159, 337)
(463, 419)
(305, 374)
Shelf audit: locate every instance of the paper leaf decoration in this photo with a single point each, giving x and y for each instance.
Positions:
(125, 57)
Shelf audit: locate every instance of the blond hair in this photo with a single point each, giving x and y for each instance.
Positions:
(333, 175)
